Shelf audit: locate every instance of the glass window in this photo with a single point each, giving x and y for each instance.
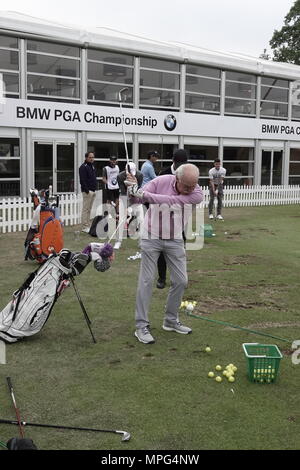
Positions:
(51, 86)
(242, 86)
(238, 153)
(9, 148)
(9, 188)
(274, 94)
(295, 168)
(240, 77)
(202, 85)
(110, 73)
(9, 42)
(110, 57)
(239, 165)
(9, 167)
(233, 106)
(204, 71)
(295, 155)
(240, 90)
(159, 79)
(53, 65)
(9, 60)
(197, 152)
(53, 48)
(294, 180)
(270, 109)
(159, 98)
(159, 64)
(238, 169)
(274, 82)
(107, 92)
(11, 81)
(202, 103)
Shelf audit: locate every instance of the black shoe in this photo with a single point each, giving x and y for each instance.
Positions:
(161, 284)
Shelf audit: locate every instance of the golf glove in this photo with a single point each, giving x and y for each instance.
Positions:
(135, 191)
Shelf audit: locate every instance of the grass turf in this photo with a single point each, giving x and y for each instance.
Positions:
(248, 275)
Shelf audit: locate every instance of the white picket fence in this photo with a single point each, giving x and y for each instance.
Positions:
(16, 213)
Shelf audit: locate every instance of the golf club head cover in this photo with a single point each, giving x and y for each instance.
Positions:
(135, 191)
(79, 262)
(100, 254)
(65, 257)
(102, 264)
(16, 443)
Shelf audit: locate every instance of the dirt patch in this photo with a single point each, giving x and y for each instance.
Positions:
(211, 305)
(240, 260)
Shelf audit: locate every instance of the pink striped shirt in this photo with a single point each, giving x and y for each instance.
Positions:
(169, 210)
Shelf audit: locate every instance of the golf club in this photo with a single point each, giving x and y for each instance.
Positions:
(123, 130)
(125, 435)
(88, 321)
(224, 323)
(18, 422)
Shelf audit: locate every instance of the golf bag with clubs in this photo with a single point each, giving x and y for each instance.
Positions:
(31, 305)
(45, 235)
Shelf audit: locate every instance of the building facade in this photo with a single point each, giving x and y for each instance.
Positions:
(61, 97)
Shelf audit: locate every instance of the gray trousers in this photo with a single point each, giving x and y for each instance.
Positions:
(175, 256)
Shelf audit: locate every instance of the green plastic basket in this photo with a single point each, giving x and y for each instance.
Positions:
(263, 362)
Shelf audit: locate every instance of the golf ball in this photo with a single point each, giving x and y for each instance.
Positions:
(190, 307)
(211, 374)
(207, 349)
(218, 379)
(218, 367)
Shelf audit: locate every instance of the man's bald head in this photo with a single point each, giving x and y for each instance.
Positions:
(187, 178)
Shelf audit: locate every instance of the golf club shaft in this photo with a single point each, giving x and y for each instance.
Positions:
(219, 322)
(120, 222)
(9, 383)
(126, 435)
(88, 321)
(122, 120)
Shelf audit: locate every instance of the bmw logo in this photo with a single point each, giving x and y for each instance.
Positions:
(170, 122)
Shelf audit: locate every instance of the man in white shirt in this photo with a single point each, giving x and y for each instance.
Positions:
(110, 179)
(216, 179)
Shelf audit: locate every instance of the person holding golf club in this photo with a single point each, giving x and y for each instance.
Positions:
(216, 179)
(171, 198)
(88, 182)
(179, 158)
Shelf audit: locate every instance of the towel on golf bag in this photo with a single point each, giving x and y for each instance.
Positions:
(31, 305)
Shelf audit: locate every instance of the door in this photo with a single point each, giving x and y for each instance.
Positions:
(54, 165)
(271, 167)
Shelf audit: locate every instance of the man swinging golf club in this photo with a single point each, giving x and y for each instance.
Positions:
(171, 198)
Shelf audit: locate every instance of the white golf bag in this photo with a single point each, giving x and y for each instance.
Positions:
(31, 305)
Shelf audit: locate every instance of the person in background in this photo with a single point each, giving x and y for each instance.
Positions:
(88, 183)
(179, 157)
(110, 179)
(148, 167)
(216, 179)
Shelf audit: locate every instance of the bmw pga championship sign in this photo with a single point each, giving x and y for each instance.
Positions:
(65, 116)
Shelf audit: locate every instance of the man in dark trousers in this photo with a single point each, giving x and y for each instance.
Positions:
(179, 157)
(88, 182)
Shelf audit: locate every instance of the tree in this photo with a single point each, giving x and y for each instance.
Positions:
(286, 42)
